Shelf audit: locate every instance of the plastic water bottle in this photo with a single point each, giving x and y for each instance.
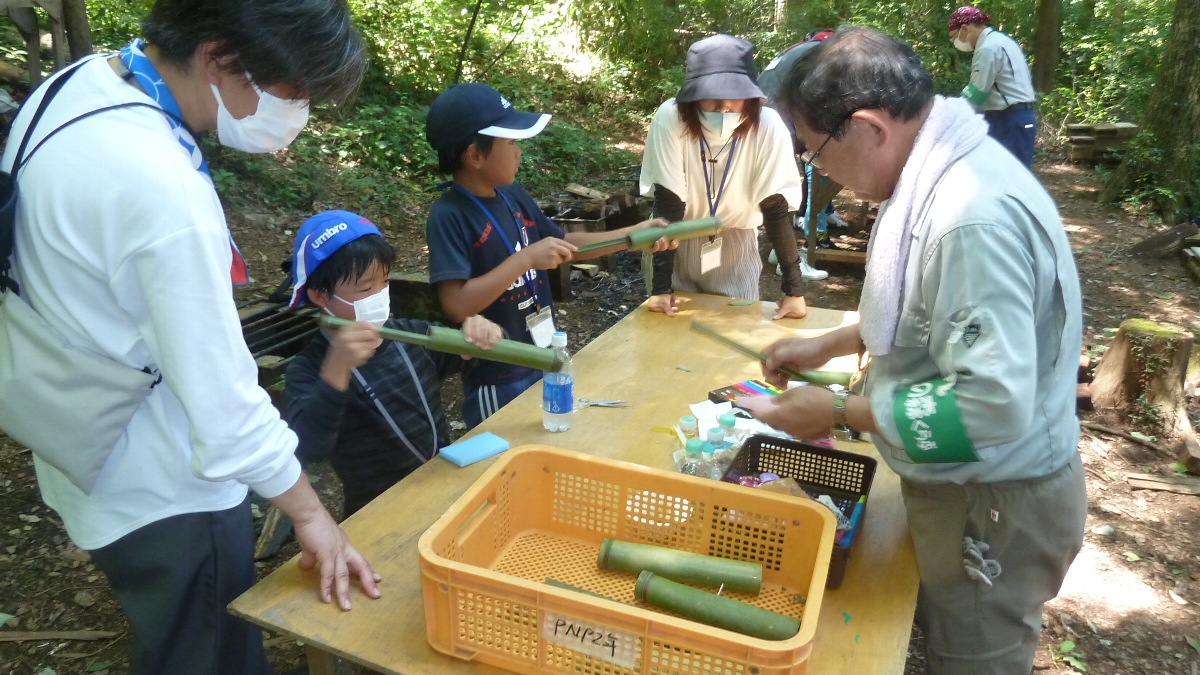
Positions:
(558, 389)
(687, 424)
(693, 463)
(715, 443)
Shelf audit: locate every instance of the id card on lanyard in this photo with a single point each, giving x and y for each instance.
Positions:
(710, 252)
(541, 322)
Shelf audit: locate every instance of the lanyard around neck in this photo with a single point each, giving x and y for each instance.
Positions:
(714, 203)
(141, 69)
(537, 291)
(387, 416)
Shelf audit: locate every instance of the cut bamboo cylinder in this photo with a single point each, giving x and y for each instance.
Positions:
(451, 341)
(682, 566)
(684, 229)
(714, 610)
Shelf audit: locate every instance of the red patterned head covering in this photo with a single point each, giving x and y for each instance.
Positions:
(966, 15)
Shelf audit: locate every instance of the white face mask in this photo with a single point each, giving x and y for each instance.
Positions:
(962, 45)
(375, 308)
(719, 127)
(272, 127)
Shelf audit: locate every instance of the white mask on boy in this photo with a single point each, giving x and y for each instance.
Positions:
(375, 308)
(273, 126)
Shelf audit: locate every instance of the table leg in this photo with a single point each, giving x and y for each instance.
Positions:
(321, 662)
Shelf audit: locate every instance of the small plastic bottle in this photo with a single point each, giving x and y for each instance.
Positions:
(558, 389)
(693, 463)
(688, 424)
(713, 446)
(723, 457)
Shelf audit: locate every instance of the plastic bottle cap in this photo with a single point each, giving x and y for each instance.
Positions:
(695, 446)
(716, 435)
(559, 339)
(687, 423)
(727, 420)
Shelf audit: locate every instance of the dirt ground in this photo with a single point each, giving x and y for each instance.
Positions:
(1128, 606)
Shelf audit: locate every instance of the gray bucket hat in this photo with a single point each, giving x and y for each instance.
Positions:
(720, 67)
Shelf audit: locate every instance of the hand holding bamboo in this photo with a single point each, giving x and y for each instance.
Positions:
(451, 341)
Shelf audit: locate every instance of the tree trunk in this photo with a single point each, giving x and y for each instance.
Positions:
(1165, 157)
(79, 34)
(1045, 49)
(1140, 378)
(1087, 16)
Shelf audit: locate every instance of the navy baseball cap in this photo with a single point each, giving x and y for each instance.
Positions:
(720, 67)
(320, 237)
(464, 110)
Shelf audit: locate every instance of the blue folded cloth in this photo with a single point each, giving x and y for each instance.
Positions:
(474, 449)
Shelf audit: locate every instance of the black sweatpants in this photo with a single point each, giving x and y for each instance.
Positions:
(174, 579)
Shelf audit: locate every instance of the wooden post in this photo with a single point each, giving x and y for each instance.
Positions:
(25, 19)
(321, 662)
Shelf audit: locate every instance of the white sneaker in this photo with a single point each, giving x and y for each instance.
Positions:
(834, 221)
(772, 258)
(810, 273)
(807, 272)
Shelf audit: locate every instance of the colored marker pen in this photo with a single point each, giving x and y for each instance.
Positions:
(855, 516)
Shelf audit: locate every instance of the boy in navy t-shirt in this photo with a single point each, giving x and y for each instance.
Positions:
(489, 241)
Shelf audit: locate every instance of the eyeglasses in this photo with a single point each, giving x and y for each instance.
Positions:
(809, 157)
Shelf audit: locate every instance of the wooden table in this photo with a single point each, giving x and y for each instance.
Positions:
(864, 625)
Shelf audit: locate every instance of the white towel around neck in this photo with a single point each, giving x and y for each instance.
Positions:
(952, 130)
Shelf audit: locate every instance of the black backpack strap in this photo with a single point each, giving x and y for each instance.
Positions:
(20, 158)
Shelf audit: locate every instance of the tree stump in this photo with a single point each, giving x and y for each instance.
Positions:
(1140, 378)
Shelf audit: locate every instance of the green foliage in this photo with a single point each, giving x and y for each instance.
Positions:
(115, 22)
(602, 67)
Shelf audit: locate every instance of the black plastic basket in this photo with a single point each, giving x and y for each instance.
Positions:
(844, 476)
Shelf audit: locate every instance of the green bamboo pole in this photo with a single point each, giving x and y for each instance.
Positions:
(714, 610)
(692, 568)
(684, 229)
(451, 341)
(821, 377)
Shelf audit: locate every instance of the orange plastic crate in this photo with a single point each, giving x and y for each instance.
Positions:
(541, 512)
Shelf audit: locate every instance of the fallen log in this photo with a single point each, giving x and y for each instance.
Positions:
(1184, 485)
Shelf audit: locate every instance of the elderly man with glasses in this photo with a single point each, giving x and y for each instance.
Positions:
(971, 311)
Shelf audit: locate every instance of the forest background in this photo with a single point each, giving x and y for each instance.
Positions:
(603, 66)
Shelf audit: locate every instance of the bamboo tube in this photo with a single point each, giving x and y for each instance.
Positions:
(449, 340)
(821, 377)
(691, 568)
(684, 229)
(714, 610)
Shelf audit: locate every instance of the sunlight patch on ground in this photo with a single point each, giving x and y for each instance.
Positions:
(1100, 586)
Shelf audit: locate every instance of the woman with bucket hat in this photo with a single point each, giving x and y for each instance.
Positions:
(716, 150)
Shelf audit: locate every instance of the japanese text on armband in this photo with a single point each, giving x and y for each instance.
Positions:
(930, 424)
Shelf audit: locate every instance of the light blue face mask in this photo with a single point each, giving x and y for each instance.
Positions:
(720, 126)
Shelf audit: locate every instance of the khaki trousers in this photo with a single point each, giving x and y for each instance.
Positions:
(1034, 529)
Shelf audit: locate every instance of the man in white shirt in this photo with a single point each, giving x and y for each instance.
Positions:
(123, 249)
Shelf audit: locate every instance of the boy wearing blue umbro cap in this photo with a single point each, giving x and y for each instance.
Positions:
(489, 241)
(374, 409)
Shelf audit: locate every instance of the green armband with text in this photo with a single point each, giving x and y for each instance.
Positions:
(930, 424)
(973, 95)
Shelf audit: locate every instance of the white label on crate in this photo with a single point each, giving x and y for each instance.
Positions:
(613, 646)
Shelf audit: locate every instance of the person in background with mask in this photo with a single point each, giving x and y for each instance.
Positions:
(1000, 87)
(716, 150)
(122, 247)
(373, 408)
